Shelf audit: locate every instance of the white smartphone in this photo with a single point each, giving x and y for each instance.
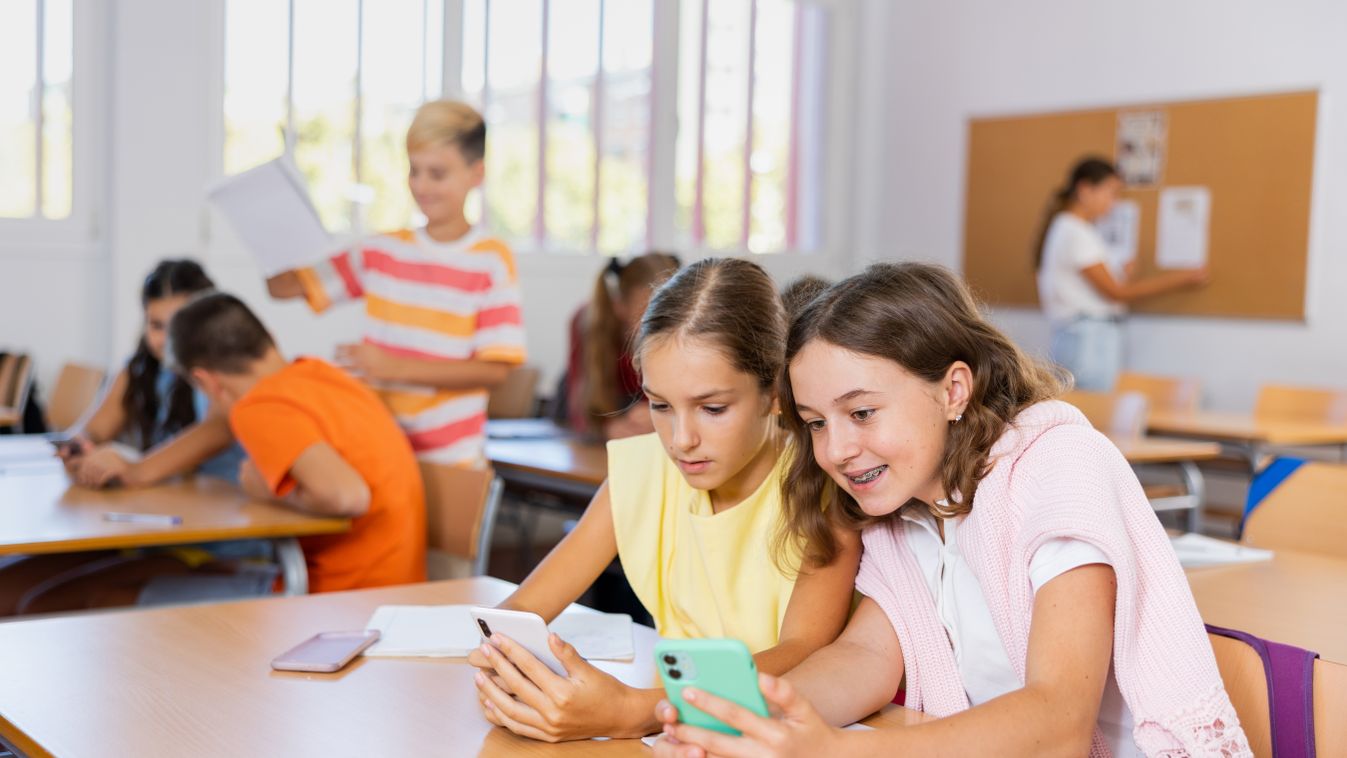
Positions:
(325, 652)
(526, 629)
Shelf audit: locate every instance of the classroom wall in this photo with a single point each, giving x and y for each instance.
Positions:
(949, 61)
(160, 153)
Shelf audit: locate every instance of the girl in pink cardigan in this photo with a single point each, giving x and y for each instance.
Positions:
(1015, 576)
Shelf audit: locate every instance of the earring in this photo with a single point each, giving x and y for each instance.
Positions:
(957, 418)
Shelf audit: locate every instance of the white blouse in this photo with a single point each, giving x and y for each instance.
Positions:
(979, 653)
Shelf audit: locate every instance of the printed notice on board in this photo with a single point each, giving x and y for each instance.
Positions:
(1141, 147)
(269, 208)
(1119, 230)
(1181, 231)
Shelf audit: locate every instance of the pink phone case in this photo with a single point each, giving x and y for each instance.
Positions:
(325, 652)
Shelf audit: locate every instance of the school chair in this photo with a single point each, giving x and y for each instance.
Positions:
(461, 505)
(1289, 701)
(1310, 404)
(1171, 394)
(517, 397)
(76, 388)
(16, 378)
(1117, 414)
(1298, 505)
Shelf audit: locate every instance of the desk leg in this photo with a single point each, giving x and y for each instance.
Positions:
(1197, 489)
(293, 569)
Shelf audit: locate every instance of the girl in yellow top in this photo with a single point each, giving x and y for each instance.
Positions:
(693, 512)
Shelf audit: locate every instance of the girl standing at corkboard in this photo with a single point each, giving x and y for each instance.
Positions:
(1083, 296)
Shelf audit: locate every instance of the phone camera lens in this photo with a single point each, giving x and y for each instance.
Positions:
(486, 630)
(669, 659)
(675, 674)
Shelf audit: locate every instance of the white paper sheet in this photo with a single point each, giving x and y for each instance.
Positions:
(269, 208)
(1199, 550)
(1181, 231)
(447, 631)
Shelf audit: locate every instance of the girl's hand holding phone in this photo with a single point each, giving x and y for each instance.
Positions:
(101, 468)
(529, 699)
(797, 730)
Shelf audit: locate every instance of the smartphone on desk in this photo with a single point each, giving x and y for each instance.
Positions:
(527, 629)
(722, 667)
(326, 652)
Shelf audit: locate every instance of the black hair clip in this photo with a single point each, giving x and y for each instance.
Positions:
(615, 266)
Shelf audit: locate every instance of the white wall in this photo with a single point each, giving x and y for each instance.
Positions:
(158, 130)
(949, 61)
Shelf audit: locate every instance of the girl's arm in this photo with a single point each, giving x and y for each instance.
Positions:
(818, 607)
(572, 565)
(1099, 276)
(1070, 646)
(182, 454)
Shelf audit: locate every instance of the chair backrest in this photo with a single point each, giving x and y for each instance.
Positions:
(1172, 394)
(1306, 511)
(1245, 674)
(1117, 414)
(16, 375)
(517, 396)
(76, 388)
(1314, 404)
(461, 506)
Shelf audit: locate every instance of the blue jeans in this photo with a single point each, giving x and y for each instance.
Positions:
(1091, 349)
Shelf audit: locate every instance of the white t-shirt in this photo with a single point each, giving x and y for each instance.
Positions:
(1071, 245)
(979, 654)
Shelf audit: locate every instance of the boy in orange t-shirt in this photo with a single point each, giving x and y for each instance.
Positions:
(316, 439)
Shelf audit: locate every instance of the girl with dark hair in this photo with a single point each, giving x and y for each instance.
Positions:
(602, 391)
(689, 510)
(1014, 575)
(1084, 298)
(150, 409)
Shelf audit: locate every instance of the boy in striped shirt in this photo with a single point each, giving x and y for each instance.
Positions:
(442, 319)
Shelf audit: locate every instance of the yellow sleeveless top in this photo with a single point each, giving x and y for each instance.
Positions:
(698, 573)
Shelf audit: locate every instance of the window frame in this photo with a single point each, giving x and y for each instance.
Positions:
(77, 234)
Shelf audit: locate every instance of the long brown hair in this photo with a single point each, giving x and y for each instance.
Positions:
(1089, 170)
(729, 302)
(605, 339)
(141, 402)
(923, 318)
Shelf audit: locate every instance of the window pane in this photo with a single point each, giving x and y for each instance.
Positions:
(727, 74)
(432, 39)
(256, 44)
(624, 178)
(772, 123)
(324, 101)
(392, 86)
(57, 108)
(18, 61)
(514, 61)
(573, 60)
(689, 116)
(474, 46)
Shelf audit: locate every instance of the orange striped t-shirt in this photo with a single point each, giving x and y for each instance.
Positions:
(431, 300)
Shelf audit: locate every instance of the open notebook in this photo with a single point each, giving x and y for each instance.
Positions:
(447, 631)
(1198, 550)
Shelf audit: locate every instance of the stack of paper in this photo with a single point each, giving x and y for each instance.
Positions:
(447, 631)
(1197, 550)
(270, 210)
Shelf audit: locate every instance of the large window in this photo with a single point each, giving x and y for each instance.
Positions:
(613, 124)
(334, 84)
(570, 89)
(36, 109)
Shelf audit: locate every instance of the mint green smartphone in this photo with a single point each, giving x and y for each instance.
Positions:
(722, 667)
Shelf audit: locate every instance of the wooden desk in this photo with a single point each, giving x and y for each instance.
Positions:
(1296, 598)
(9, 417)
(42, 512)
(1247, 435)
(1183, 455)
(538, 455)
(194, 680)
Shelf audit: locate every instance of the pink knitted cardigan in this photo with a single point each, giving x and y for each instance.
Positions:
(1053, 475)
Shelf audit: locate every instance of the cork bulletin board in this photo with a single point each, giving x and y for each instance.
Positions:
(1254, 155)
